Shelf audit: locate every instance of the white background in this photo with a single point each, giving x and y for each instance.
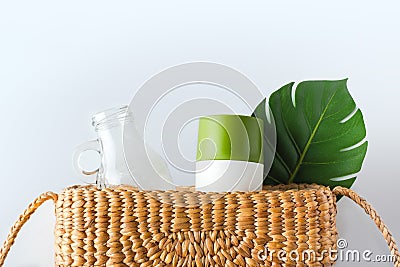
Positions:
(62, 61)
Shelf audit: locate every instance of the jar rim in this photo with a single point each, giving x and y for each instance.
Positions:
(108, 115)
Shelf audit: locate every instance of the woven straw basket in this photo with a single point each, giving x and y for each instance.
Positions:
(123, 226)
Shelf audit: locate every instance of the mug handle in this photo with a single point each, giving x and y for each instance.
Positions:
(93, 145)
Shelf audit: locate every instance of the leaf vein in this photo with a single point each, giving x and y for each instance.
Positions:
(302, 155)
(274, 179)
(291, 137)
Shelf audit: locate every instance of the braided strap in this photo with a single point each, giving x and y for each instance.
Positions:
(375, 217)
(23, 218)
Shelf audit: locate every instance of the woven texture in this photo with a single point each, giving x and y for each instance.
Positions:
(126, 227)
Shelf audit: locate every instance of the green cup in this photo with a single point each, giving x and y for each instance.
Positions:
(229, 153)
(230, 137)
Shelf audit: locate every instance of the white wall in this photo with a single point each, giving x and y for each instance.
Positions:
(62, 61)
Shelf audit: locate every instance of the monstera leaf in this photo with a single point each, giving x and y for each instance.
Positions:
(320, 134)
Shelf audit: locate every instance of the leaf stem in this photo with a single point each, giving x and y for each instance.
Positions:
(303, 154)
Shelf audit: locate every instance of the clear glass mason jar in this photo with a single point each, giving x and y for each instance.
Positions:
(149, 170)
(109, 126)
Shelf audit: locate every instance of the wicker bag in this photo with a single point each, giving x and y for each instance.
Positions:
(123, 226)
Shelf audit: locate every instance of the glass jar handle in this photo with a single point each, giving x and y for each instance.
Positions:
(93, 145)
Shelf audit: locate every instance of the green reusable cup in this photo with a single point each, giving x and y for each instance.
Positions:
(229, 153)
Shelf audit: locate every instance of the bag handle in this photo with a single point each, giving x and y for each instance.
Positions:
(23, 218)
(375, 217)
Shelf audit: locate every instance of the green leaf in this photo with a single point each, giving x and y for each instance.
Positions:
(320, 134)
